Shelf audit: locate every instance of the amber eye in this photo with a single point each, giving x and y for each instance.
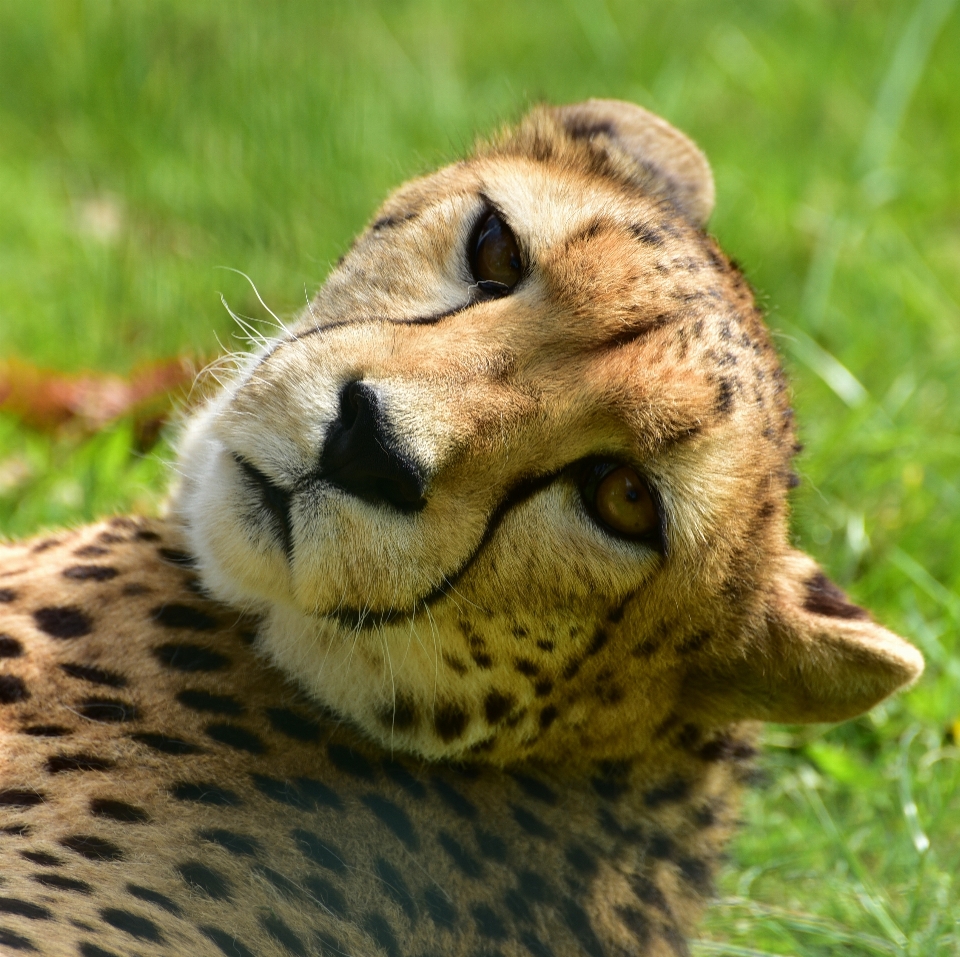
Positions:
(622, 501)
(495, 256)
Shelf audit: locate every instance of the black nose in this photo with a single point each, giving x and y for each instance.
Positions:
(361, 457)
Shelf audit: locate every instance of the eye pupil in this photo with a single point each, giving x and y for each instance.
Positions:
(495, 256)
(622, 501)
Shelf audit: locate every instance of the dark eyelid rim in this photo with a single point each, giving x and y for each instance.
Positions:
(586, 472)
(488, 208)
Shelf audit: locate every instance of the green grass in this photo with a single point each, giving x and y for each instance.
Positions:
(144, 145)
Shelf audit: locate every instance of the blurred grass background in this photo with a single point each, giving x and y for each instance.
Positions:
(143, 145)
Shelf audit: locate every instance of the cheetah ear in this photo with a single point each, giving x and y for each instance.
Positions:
(666, 162)
(820, 658)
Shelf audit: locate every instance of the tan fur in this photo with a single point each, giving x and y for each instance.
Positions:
(585, 699)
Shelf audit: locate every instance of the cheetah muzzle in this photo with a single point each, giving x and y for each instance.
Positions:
(472, 588)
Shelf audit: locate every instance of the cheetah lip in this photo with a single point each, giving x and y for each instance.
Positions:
(274, 499)
(357, 620)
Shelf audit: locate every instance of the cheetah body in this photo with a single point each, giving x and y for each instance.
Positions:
(382, 682)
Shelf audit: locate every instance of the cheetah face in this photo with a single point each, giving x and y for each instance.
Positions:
(515, 483)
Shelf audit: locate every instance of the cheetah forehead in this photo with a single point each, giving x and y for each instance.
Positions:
(517, 476)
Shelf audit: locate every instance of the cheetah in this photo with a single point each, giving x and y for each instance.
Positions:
(472, 591)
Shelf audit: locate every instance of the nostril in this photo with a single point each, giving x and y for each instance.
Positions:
(362, 457)
(351, 398)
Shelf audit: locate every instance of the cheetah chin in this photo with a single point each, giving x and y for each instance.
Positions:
(405, 482)
(472, 589)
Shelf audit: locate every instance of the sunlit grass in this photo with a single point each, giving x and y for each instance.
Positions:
(143, 146)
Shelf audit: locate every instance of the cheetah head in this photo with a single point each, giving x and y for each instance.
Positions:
(515, 483)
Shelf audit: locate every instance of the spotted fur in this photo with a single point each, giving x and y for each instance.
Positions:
(407, 696)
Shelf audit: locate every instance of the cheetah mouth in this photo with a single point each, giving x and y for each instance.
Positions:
(272, 499)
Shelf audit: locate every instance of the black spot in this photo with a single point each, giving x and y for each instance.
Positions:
(316, 850)
(526, 667)
(535, 788)
(46, 731)
(293, 725)
(147, 536)
(497, 706)
(318, 794)
(325, 894)
(186, 657)
(95, 676)
(548, 716)
(15, 941)
(183, 616)
(118, 811)
(377, 926)
(233, 736)
(613, 780)
(227, 943)
(454, 799)
(92, 848)
(283, 935)
(287, 887)
(724, 401)
(481, 659)
(396, 887)
(19, 908)
(149, 896)
(65, 622)
(7, 595)
(660, 847)
(576, 919)
(636, 922)
(92, 950)
(140, 928)
(600, 637)
(572, 668)
(401, 713)
(12, 689)
(90, 573)
(42, 858)
(646, 234)
(62, 883)
(514, 902)
(15, 830)
(91, 551)
(646, 890)
(581, 860)
(165, 744)
(205, 879)
(10, 647)
(240, 845)
(204, 793)
(460, 856)
(394, 817)
(450, 721)
(284, 791)
(77, 762)
(492, 846)
(111, 710)
(674, 790)
(697, 873)
(531, 823)
(543, 687)
(204, 701)
(400, 775)
(439, 908)
(824, 598)
(350, 762)
(693, 643)
(534, 887)
(487, 923)
(14, 797)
